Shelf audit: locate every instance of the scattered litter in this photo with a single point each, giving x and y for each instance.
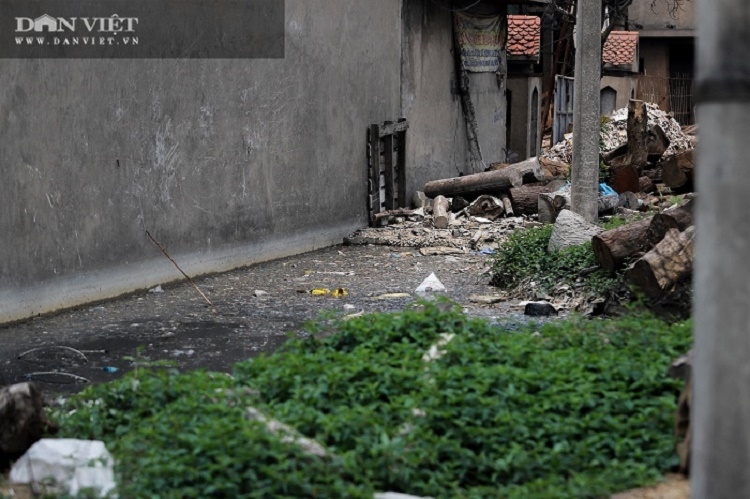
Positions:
(392, 296)
(430, 285)
(441, 250)
(487, 300)
(349, 306)
(67, 467)
(110, 369)
(339, 293)
(320, 292)
(435, 351)
(157, 289)
(258, 293)
(481, 220)
(178, 353)
(353, 316)
(486, 251)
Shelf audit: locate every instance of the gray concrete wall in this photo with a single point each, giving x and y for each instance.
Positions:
(226, 162)
(437, 146)
(436, 141)
(657, 21)
(488, 96)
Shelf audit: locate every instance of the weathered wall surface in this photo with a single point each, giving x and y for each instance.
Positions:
(436, 140)
(657, 20)
(625, 86)
(226, 162)
(523, 140)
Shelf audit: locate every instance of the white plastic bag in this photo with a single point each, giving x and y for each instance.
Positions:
(68, 466)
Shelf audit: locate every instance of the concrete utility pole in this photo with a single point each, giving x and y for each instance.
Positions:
(585, 175)
(721, 372)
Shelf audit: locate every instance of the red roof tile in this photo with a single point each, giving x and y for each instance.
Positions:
(620, 48)
(523, 36)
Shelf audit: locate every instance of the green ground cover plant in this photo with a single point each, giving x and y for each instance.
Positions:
(577, 408)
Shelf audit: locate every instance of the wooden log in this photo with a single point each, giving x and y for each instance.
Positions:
(554, 169)
(440, 216)
(530, 170)
(507, 205)
(22, 420)
(624, 178)
(664, 267)
(677, 172)
(657, 143)
(478, 183)
(613, 247)
(486, 206)
(525, 199)
(645, 184)
(637, 155)
(607, 157)
(458, 203)
(679, 217)
(547, 211)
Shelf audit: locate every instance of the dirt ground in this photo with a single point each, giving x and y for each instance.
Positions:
(177, 325)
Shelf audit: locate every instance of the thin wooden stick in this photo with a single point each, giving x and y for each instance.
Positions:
(178, 268)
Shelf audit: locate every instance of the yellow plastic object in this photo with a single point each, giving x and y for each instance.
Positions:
(320, 292)
(340, 293)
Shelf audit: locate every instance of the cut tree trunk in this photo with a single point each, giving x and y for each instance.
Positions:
(677, 172)
(440, 215)
(625, 169)
(665, 266)
(550, 204)
(530, 170)
(525, 198)
(478, 183)
(613, 247)
(507, 205)
(657, 143)
(680, 217)
(553, 168)
(636, 156)
(486, 206)
(624, 178)
(646, 185)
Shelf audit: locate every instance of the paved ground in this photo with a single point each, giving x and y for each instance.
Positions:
(177, 325)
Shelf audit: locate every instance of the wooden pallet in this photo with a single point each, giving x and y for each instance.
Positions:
(386, 164)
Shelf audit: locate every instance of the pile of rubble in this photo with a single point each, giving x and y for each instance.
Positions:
(614, 134)
(464, 234)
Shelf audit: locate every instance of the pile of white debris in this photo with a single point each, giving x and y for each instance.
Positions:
(614, 134)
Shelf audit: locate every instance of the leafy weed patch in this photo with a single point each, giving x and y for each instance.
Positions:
(576, 409)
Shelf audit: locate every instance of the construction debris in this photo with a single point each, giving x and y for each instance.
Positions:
(614, 135)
